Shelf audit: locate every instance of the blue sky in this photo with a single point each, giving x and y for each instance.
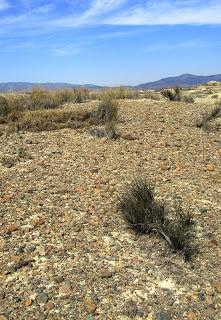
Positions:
(108, 42)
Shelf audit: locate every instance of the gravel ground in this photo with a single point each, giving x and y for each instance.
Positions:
(67, 253)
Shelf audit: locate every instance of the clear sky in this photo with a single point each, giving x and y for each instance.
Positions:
(108, 42)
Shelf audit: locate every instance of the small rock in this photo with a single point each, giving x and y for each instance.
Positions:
(39, 222)
(163, 316)
(16, 299)
(11, 228)
(105, 273)
(2, 295)
(50, 305)
(28, 302)
(65, 288)
(90, 306)
(217, 286)
(59, 279)
(31, 248)
(22, 263)
(20, 250)
(130, 309)
(2, 317)
(29, 141)
(42, 298)
(210, 167)
(128, 137)
(191, 315)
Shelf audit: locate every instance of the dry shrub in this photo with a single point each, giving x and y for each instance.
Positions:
(146, 214)
(44, 99)
(107, 116)
(4, 107)
(46, 120)
(124, 93)
(172, 95)
(176, 95)
(81, 95)
(209, 116)
(107, 111)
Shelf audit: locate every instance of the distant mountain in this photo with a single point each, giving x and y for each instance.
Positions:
(185, 80)
(22, 86)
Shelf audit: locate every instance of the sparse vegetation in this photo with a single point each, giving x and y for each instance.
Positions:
(107, 115)
(146, 214)
(209, 116)
(46, 120)
(107, 109)
(172, 95)
(176, 95)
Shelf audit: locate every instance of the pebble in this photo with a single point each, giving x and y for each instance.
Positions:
(11, 228)
(210, 167)
(217, 286)
(42, 298)
(90, 306)
(106, 273)
(31, 248)
(59, 279)
(20, 250)
(2, 295)
(28, 302)
(65, 288)
(163, 316)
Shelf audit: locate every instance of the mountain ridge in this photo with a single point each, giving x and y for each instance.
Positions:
(184, 80)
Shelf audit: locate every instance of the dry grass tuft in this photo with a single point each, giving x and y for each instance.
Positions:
(146, 214)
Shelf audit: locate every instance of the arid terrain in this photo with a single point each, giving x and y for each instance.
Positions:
(67, 253)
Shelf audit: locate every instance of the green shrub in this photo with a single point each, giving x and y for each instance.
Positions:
(146, 214)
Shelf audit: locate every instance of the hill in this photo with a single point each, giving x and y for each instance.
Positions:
(21, 86)
(184, 80)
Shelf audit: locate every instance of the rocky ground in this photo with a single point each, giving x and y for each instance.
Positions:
(66, 253)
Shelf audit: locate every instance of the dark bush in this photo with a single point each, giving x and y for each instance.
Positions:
(140, 208)
(4, 107)
(146, 214)
(209, 116)
(188, 99)
(172, 95)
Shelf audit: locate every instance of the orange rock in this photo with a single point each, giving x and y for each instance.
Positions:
(28, 302)
(90, 306)
(39, 222)
(210, 167)
(11, 228)
(50, 305)
(7, 197)
(79, 189)
(97, 190)
(17, 258)
(191, 315)
(214, 242)
(217, 286)
(94, 222)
